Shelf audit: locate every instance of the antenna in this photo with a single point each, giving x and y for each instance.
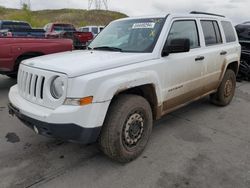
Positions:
(98, 4)
(27, 2)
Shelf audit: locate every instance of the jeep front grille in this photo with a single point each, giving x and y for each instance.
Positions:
(34, 86)
(31, 85)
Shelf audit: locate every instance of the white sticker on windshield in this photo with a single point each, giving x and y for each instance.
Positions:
(145, 25)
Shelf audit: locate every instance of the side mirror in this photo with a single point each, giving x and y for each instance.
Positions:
(176, 46)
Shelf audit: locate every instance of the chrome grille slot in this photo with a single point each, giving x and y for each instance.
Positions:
(35, 85)
(30, 82)
(42, 87)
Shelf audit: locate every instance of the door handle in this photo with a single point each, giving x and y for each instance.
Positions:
(223, 53)
(199, 58)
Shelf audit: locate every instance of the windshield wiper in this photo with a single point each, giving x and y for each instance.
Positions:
(108, 48)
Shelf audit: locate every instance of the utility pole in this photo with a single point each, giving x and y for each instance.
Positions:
(26, 2)
(98, 4)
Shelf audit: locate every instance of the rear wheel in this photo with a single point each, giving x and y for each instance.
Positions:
(127, 128)
(226, 90)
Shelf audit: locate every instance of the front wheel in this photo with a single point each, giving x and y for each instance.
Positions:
(127, 128)
(226, 90)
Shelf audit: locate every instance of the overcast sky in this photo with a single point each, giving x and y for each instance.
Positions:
(237, 10)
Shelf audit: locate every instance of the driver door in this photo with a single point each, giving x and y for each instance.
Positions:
(183, 71)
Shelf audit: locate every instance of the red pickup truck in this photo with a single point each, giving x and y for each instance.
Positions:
(14, 50)
(64, 30)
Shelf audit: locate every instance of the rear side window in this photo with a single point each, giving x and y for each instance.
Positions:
(185, 29)
(229, 31)
(211, 32)
(95, 30)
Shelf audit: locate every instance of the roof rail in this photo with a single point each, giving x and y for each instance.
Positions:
(206, 13)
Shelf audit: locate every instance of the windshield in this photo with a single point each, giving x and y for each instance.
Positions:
(137, 35)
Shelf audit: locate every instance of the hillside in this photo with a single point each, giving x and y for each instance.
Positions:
(78, 17)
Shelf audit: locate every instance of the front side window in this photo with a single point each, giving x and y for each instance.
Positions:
(135, 35)
(211, 32)
(229, 31)
(186, 29)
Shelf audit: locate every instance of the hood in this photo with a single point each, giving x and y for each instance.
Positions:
(78, 63)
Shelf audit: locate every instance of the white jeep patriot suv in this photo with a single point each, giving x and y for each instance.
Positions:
(135, 71)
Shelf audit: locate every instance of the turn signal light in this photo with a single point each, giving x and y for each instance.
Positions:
(86, 101)
(79, 102)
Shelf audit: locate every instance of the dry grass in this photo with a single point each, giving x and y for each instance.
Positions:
(75, 16)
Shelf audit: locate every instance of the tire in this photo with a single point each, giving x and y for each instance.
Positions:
(127, 128)
(226, 90)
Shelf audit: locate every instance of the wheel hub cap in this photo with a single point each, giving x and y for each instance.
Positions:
(228, 88)
(133, 129)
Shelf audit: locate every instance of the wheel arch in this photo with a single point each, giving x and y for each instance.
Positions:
(146, 84)
(234, 66)
(146, 91)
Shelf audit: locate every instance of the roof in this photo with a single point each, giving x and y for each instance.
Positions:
(196, 15)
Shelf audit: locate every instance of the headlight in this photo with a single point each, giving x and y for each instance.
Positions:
(57, 87)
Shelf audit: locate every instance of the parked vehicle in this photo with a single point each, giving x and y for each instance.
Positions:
(93, 29)
(19, 29)
(62, 30)
(243, 31)
(135, 71)
(14, 50)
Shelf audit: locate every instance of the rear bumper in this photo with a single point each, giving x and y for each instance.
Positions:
(69, 132)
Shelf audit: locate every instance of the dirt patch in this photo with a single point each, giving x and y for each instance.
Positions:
(175, 181)
(12, 138)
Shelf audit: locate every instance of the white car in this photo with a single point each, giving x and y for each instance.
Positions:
(94, 29)
(113, 91)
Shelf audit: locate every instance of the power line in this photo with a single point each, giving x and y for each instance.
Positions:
(98, 4)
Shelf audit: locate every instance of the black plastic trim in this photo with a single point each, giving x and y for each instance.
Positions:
(68, 132)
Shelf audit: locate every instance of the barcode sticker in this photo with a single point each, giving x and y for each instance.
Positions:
(148, 25)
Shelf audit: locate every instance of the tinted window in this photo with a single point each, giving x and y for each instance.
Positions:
(84, 29)
(229, 31)
(63, 27)
(211, 32)
(95, 30)
(186, 29)
(15, 25)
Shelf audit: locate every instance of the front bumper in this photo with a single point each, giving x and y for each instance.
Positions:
(73, 123)
(69, 132)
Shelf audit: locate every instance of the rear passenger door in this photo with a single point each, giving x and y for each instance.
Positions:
(214, 53)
